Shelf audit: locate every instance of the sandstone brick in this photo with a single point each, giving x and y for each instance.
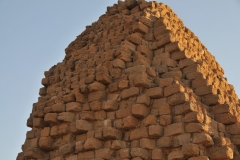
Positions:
(111, 133)
(136, 69)
(35, 153)
(140, 80)
(221, 153)
(139, 152)
(130, 122)
(143, 99)
(179, 55)
(105, 153)
(45, 143)
(139, 133)
(234, 128)
(123, 84)
(51, 118)
(162, 105)
(118, 144)
(79, 146)
(96, 96)
(155, 131)
(165, 120)
(103, 78)
(79, 96)
(38, 123)
(185, 108)
(172, 74)
(109, 105)
(127, 93)
(235, 139)
(173, 129)
(212, 99)
(163, 82)
(202, 138)
(192, 68)
(69, 98)
(164, 142)
(225, 118)
(96, 86)
(92, 144)
(66, 149)
(178, 98)
(172, 89)
(147, 143)
(45, 132)
(87, 115)
(140, 110)
(194, 117)
(200, 82)
(86, 155)
(190, 150)
(66, 116)
(139, 27)
(155, 92)
(125, 153)
(134, 38)
(100, 115)
(157, 154)
(175, 154)
(83, 125)
(194, 127)
(117, 63)
(95, 105)
(181, 139)
(58, 107)
(73, 107)
(199, 158)
(121, 113)
(145, 51)
(204, 90)
(149, 120)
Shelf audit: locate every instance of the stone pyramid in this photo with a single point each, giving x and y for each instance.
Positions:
(137, 84)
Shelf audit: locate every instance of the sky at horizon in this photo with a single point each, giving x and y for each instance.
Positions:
(34, 34)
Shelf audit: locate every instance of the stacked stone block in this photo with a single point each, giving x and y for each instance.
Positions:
(136, 84)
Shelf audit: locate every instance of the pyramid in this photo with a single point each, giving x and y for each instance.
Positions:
(137, 84)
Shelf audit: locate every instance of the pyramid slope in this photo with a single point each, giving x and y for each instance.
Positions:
(136, 84)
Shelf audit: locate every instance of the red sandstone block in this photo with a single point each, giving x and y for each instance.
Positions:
(113, 87)
(58, 107)
(38, 123)
(224, 152)
(135, 38)
(172, 74)
(221, 108)
(96, 105)
(83, 126)
(139, 152)
(103, 78)
(143, 99)
(192, 68)
(165, 120)
(235, 139)
(204, 90)
(179, 55)
(139, 133)
(110, 105)
(69, 98)
(212, 99)
(185, 63)
(35, 153)
(111, 133)
(118, 144)
(155, 131)
(157, 154)
(46, 143)
(125, 153)
(73, 107)
(190, 150)
(181, 139)
(147, 52)
(172, 89)
(136, 69)
(199, 158)
(86, 155)
(178, 98)
(66, 149)
(147, 143)
(140, 80)
(156, 92)
(130, 122)
(121, 113)
(195, 75)
(141, 28)
(175, 154)
(202, 138)
(164, 142)
(194, 117)
(96, 86)
(140, 110)
(51, 118)
(105, 153)
(96, 96)
(149, 120)
(234, 128)
(123, 84)
(131, 92)
(45, 132)
(100, 115)
(118, 63)
(173, 129)
(79, 96)
(169, 62)
(194, 127)
(87, 115)
(225, 118)
(66, 116)
(79, 146)
(162, 105)
(172, 47)
(92, 144)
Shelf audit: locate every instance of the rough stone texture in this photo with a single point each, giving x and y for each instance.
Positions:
(136, 84)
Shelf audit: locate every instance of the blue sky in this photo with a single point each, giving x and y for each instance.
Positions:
(34, 34)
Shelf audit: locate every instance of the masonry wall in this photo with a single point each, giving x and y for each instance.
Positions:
(136, 84)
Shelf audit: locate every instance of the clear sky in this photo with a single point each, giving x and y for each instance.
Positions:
(34, 34)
